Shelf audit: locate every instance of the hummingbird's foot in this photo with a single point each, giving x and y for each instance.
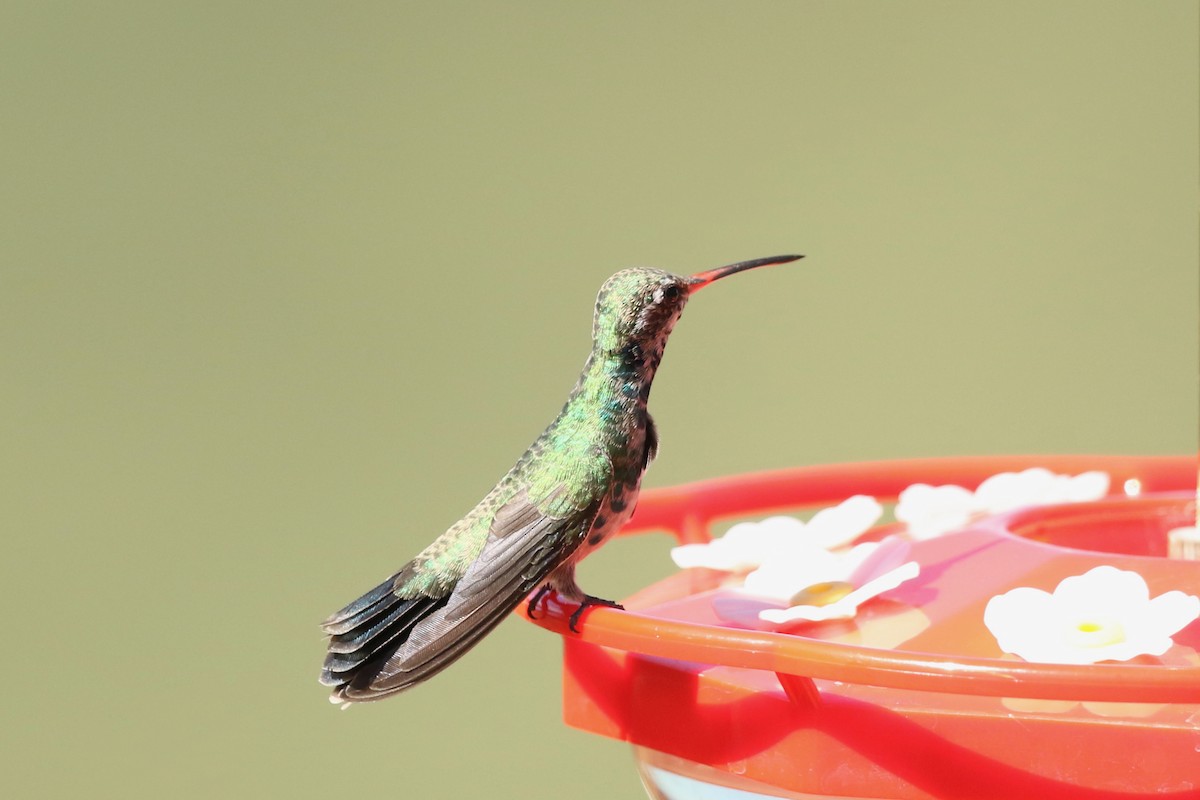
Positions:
(533, 601)
(588, 600)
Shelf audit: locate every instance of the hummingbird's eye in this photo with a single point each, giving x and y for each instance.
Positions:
(671, 292)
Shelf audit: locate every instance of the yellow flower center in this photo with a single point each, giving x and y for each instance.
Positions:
(821, 594)
(1096, 633)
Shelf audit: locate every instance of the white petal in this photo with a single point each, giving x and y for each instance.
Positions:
(701, 555)
(882, 583)
(838, 610)
(1039, 486)
(887, 555)
(1012, 617)
(852, 560)
(715, 555)
(783, 577)
(1085, 487)
(1008, 490)
(845, 522)
(999, 492)
(846, 607)
(1103, 589)
(930, 511)
(1171, 612)
(777, 528)
(742, 609)
(755, 540)
(1038, 483)
(743, 547)
(1130, 648)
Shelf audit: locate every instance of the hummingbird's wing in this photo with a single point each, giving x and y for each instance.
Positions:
(384, 643)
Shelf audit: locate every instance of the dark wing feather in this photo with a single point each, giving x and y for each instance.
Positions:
(650, 452)
(399, 643)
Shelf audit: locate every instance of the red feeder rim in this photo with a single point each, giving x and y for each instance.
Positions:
(687, 511)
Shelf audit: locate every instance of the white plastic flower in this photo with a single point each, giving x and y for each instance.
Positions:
(750, 544)
(1106, 614)
(815, 584)
(1038, 487)
(930, 511)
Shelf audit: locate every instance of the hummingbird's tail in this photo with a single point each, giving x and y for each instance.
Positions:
(384, 643)
(365, 634)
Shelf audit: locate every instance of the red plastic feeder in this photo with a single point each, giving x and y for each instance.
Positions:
(913, 698)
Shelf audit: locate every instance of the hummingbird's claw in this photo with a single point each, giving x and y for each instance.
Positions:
(533, 601)
(588, 600)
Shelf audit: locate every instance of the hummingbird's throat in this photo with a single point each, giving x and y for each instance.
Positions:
(640, 358)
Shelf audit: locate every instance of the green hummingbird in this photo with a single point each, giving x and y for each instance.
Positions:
(574, 487)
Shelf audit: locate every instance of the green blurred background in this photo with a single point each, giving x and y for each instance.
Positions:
(284, 287)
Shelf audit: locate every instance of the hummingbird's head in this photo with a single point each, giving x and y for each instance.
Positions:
(639, 307)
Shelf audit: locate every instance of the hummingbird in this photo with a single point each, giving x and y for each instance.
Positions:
(575, 486)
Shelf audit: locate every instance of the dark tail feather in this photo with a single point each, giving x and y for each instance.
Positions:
(367, 632)
(353, 614)
(387, 671)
